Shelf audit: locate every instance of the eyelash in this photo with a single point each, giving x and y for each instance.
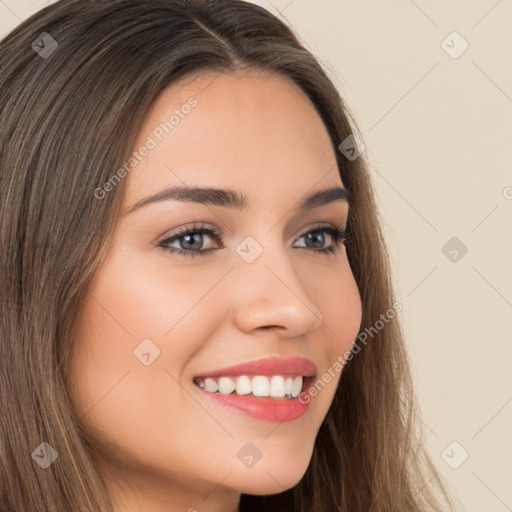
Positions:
(339, 236)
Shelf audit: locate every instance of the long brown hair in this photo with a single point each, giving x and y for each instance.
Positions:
(75, 79)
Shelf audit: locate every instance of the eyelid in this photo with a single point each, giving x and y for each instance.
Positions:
(319, 225)
(188, 228)
(195, 226)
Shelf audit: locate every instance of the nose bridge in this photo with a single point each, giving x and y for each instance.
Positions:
(270, 290)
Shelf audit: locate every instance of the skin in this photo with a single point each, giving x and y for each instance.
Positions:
(170, 448)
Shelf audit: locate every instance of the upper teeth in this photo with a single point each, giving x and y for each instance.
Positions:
(260, 385)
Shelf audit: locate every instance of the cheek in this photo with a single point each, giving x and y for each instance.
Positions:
(131, 301)
(337, 296)
(339, 301)
(134, 300)
(118, 398)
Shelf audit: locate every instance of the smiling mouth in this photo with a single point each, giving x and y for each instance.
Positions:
(284, 387)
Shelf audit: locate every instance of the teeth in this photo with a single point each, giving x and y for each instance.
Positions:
(210, 385)
(226, 385)
(275, 386)
(260, 386)
(296, 386)
(288, 386)
(243, 385)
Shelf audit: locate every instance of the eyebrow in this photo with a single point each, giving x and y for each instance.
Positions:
(233, 199)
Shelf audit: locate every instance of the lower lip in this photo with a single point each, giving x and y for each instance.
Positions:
(265, 408)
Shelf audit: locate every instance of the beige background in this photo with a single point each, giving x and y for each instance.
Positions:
(438, 133)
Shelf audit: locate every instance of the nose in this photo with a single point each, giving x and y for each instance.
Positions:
(270, 294)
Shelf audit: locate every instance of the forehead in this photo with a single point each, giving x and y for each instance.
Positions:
(252, 131)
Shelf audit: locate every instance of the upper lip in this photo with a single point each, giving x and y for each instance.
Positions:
(267, 366)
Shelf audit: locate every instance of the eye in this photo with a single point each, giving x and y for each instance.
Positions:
(189, 241)
(313, 240)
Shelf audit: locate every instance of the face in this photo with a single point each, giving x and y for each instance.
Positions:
(190, 287)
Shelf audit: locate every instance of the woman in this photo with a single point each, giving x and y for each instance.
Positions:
(191, 263)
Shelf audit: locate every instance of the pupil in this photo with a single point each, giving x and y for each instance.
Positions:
(317, 239)
(196, 237)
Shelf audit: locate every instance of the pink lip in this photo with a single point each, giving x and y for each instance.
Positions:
(268, 366)
(266, 408)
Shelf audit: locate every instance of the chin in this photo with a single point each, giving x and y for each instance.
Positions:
(266, 485)
(273, 477)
